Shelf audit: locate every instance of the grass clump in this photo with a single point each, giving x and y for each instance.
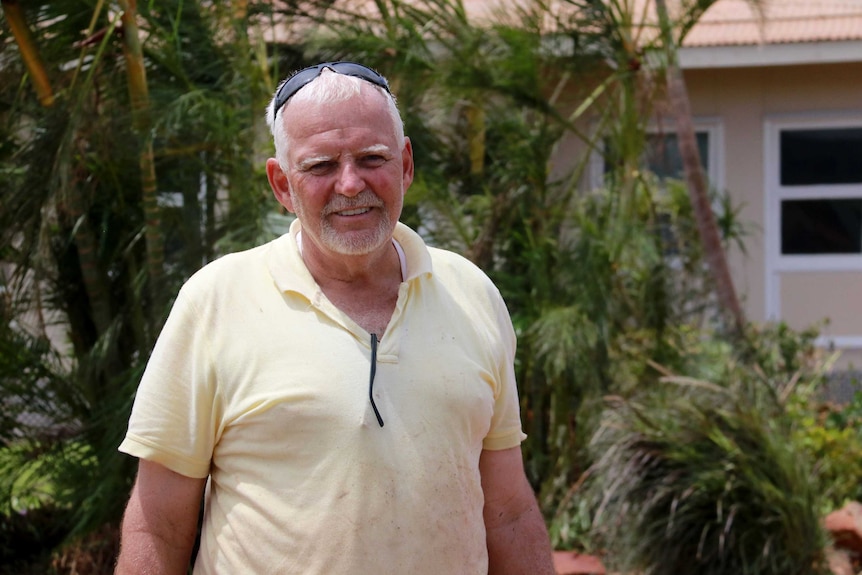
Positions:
(695, 477)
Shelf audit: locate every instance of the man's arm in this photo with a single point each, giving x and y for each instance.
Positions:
(160, 523)
(518, 542)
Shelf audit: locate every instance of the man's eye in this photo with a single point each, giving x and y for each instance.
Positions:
(374, 160)
(321, 168)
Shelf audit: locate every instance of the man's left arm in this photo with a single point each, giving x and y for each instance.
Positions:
(517, 538)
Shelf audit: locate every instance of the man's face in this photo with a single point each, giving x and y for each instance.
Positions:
(347, 173)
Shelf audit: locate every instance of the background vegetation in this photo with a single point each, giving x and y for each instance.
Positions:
(661, 431)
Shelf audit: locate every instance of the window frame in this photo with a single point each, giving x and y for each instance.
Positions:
(774, 193)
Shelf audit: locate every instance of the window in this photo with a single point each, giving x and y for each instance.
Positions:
(813, 204)
(820, 186)
(663, 158)
(662, 155)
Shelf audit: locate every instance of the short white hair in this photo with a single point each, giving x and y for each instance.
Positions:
(328, 87)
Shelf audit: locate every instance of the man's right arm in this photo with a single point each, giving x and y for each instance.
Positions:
(160, 523)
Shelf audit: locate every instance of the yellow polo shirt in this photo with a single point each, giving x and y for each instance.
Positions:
(261, 383)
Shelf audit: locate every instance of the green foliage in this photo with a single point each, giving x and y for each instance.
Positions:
(826, 432)
(35, 515)
(830, 434)
(717, 471)
(78, 317)
(695, 476)
(641, 306)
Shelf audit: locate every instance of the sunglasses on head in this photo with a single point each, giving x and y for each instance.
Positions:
(296, 82)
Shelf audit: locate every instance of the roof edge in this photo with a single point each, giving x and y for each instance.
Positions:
(763, 55)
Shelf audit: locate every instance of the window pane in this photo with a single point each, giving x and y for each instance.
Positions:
(663, 157)
(821, 226)
(823, 156)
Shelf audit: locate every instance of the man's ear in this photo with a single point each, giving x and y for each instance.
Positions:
(279, 184)
(407, 164)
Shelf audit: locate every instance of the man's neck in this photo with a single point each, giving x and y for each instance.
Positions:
(363, 287)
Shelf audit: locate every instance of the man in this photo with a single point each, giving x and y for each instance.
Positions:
(345, 393)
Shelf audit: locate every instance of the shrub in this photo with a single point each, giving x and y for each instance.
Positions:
(698, 478)
(831, 435)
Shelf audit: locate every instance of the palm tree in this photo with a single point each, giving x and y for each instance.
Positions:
(141, 171)
(698, 187)
(29, 51)
(141, 115)
(486, 188)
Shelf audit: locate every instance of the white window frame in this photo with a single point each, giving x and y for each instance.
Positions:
(775, 193)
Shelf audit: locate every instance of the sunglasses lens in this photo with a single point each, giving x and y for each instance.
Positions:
(292, 85)
(360, 71)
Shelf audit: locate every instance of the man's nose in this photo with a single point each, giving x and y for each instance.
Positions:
(350, 181)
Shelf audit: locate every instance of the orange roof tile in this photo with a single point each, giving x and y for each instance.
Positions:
(735, 22)
(726, 23)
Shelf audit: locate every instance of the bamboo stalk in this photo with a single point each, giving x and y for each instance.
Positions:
(29, 52)
(140, 99)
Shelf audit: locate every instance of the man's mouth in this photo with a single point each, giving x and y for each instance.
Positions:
(354, 212)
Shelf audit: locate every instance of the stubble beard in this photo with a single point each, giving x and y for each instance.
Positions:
(352, 243)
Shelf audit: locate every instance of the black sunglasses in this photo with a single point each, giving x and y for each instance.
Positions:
(296, 82)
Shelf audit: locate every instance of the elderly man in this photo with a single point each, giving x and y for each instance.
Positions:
(342, 398)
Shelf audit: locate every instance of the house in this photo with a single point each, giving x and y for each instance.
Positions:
(780, 101)
(776, 96)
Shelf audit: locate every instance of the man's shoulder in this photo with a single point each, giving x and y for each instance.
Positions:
(441, 262)
(462, 277)
(451, 259)
(232, 268)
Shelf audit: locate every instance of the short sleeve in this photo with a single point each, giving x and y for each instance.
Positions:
(506, 430)
(176, 413)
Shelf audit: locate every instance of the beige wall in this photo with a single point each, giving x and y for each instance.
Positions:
(743, 99)
(809, 298)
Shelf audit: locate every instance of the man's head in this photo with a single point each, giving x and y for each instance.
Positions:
(342, 162)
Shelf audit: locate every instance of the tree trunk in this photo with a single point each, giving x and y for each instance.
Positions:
(29, 52)
(697, 186)
(140, 99)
